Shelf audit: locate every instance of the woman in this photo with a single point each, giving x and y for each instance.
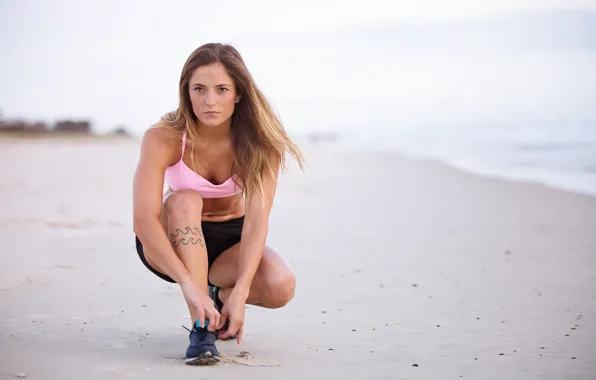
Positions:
(220, 153)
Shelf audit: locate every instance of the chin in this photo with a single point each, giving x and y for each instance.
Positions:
(211, 122)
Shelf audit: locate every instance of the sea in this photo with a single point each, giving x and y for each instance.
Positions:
(561, 157)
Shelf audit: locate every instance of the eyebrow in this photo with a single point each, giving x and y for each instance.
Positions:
(219, 85)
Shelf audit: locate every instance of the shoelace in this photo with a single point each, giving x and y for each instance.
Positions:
(201, 334)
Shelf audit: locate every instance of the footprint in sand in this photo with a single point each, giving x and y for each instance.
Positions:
(245, 358)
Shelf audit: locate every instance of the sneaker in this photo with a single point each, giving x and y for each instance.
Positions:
(202, 350)
(214, 295)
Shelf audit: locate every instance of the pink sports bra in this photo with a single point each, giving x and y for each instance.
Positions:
(180, 176)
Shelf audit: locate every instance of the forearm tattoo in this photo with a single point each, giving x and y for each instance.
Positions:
(187, 236)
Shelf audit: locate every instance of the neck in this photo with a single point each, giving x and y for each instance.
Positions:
(220, 132)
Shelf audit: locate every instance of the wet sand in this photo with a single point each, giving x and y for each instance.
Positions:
(406, 269)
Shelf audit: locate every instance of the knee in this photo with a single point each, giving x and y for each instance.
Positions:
(184, 202)
(279, 289)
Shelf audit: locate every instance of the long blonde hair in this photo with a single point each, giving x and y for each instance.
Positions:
(259, 139)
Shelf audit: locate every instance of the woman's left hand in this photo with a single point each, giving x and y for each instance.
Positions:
(233, 310)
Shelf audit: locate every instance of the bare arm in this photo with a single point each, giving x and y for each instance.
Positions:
(157, 151)
(254, 233)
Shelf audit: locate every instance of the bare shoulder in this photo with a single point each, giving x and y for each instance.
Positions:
(162, 142)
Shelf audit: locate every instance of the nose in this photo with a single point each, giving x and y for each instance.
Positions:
(209, 99)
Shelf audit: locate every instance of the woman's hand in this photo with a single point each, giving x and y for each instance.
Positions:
(202, 304)
(233, 310)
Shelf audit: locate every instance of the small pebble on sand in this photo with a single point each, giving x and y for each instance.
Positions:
(573, 357)
(374, 327)
(414, 365)
(20, 375)
(501, 353)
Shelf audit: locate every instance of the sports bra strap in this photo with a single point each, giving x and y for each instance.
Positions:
(183, 144)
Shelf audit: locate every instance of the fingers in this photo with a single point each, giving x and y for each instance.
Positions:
(232, 328)
(240, 333)
(213, 316)
(201, 316)
(222, 319)
(216, 320)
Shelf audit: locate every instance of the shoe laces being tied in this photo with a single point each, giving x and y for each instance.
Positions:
(200, 334)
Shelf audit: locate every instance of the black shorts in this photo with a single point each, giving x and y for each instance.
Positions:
(219, 236)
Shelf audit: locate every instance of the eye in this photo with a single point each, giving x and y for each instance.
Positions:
(198, 89)
(223, 89)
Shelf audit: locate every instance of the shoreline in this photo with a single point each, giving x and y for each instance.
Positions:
(486, 173)
(333, 141)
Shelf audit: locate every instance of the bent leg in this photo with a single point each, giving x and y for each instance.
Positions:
(273, 285)
(181, 219)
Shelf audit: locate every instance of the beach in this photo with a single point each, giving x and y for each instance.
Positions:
(406, 269)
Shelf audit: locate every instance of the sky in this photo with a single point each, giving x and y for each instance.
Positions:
(324, 65)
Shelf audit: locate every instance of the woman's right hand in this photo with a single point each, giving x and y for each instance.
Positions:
(201, 302)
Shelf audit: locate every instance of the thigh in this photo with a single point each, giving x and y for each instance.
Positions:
(224, 271)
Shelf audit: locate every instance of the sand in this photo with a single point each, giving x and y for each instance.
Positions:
(406, 269)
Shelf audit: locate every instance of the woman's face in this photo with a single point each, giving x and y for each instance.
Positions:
(212, 94)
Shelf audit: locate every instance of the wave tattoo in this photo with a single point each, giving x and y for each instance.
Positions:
(186, 237)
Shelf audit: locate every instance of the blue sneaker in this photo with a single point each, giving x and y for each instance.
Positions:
(202, 350)
(214, 295)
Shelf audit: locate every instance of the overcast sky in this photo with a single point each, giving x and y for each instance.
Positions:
(325, 65)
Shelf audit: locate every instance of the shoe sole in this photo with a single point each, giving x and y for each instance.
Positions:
(205, 359)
